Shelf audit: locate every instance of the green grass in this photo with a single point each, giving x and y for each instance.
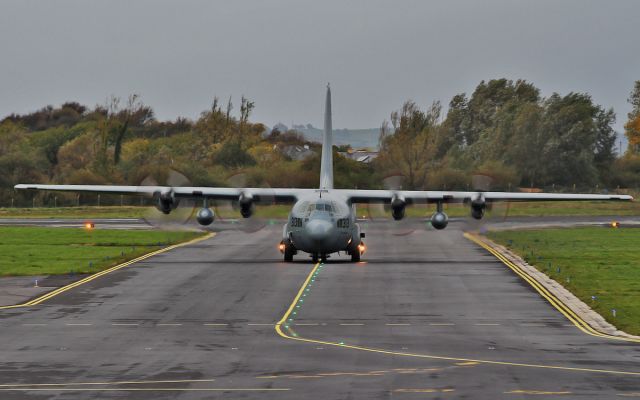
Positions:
(500, 210)
(75, 212)
(594, 261)
(50, 251)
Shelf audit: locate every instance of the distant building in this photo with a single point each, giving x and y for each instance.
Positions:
(282, 128)
(360, 155)
(296, 152)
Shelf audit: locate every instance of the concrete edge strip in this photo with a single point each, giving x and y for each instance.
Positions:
(296, 337)
(579, 313)
(97, 275)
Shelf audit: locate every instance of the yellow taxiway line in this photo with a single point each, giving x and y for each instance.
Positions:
(575, 319)
(97, 275)
(286, 321)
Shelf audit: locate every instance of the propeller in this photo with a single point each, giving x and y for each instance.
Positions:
(482, 183)
(231, 211)
(401, 226)
(180, 212)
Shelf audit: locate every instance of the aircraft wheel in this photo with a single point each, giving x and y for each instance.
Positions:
(314, 257)
(288, 255)
(355, 256)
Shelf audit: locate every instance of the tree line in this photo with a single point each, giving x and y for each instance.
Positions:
(507, 132)
(504, 131)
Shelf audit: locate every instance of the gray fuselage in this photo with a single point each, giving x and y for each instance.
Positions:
(322, 223)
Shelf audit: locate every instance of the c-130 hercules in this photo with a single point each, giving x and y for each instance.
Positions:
(322, 221)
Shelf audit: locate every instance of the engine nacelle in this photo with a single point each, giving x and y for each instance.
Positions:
(165, 202)
(205, 216)
(398, 205)
(439, 220)
(478, 206)
(246, 205)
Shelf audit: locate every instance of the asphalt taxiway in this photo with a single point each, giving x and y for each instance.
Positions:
(428, 314)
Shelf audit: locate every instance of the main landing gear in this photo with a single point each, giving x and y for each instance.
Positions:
(287, 250)
(358, 252)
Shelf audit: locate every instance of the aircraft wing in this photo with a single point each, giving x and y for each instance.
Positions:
(212, 193)
(418, 196)
(352, 195)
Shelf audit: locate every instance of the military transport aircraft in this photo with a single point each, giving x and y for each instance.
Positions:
(322, 221)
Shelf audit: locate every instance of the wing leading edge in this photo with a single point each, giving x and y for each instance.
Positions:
(195, 192)
(422, 197)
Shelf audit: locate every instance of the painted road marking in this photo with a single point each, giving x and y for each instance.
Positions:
(397, 324)
(487, 324)
(299, 324)
(71, 324)
(117, 324)
(15, 385)
(536, 392)
(215, 324)
(260, 324)
(168, 324)
(34, 324)
(282, 323)
(90, 278)
(355, 324)
(550, 297)
(138, 389)
(424, 390)
(441, 324)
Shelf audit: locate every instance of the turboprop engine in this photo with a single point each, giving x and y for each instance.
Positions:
(165, 202)
(439, 220)
(398, 205)
(478, 205)
(205, 216)
(246, 205)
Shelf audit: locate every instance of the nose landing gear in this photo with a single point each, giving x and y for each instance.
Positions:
(315, 257)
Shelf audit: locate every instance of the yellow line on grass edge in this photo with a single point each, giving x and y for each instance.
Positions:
(97, 275)
(565, 310)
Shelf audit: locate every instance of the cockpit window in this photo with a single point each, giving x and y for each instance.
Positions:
(303, 206)
(324, 207)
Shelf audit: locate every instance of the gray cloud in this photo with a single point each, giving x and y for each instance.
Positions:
(376, 54)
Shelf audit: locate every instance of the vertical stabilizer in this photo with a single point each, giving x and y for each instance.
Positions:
(326, 164)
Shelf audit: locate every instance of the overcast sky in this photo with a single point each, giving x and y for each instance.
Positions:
(376, 54)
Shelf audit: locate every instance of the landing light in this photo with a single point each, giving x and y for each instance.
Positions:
(89, 225)
(281, 247)
(615, 224)
(362, 248)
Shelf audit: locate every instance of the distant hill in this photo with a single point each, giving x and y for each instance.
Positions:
(357, 138)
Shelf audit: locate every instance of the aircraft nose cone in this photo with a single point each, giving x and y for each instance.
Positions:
(318, 230)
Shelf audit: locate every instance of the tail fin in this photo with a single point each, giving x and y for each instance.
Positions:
(326, 164)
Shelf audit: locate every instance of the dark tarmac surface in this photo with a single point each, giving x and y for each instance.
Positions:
(437, 318)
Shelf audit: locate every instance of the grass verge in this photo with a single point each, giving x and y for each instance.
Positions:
(500, 210)
(595, 261)
(52, 251)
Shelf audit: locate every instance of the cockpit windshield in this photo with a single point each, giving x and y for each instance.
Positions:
(323, 207)
(320, 207)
